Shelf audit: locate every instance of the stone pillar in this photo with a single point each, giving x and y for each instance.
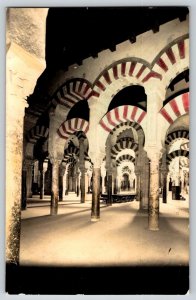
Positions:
(61, 181)
(114, 176)
(109, 188)
(77, 183)
(153, 209)
(24, 186)
(29, 173)
(67, 183)
(64, 182)
(41, 179)
(164, 187)
(55, 186)
(138, 190)
(144, 180)
(95, 213)
(14, 144)
(82, 168)
(82, 185)
(74, 178)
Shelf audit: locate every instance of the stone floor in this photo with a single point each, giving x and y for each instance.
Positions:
(120, 238)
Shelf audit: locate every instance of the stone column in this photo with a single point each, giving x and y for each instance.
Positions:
(64, 182)
(95, 213)
(82, 169)
(14, 144)
(144, 181)
(24, 186)
(77, 183)
(67, 183)
(109, 188)
(74, 178)
(41, 179)
(55, 186)
(114, 176)
(29, 173)
(109, 171)
(138, 183)
(61, 182)
(153, 208)
(164, 187)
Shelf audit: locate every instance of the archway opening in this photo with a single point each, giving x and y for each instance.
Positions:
(132, 95)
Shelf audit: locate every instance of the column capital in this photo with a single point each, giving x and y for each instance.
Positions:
(153, 153)
(55, 160)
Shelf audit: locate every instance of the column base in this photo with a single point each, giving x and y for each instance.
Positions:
(95, 219)
(53, 211)
(153, 228)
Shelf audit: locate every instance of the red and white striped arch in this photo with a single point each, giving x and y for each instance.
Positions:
(70, 126)
(124, 69)
(172, 56)
(122, 114)
(36, 133)
(72, 92)
(175, 108)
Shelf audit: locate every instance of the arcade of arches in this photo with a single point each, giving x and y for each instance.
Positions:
(113, 128)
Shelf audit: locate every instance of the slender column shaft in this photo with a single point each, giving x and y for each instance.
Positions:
(164, 188)
(138, 191)
(67, 184)
(29, 180)
(95, 213)
(89, 184)
(82, 169)
(77, 185)
(61, 188)
(109, 200)
(55, 187)
(82, 185)
(24, 189)
(41, 180)
(153, 209)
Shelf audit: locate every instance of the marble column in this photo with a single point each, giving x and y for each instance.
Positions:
(24, 186)
(55, 186)
(138, 184)
(29, 178)
(74, 178)
(109, 188)
(153, 209)
(15, 106)
(41, 179)
(164, 187)
(95, 212)
(82, 169)
(77, 183)
(144, 181)
(61, 181)
(82, 185)
(114, 177)
(67, 183)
